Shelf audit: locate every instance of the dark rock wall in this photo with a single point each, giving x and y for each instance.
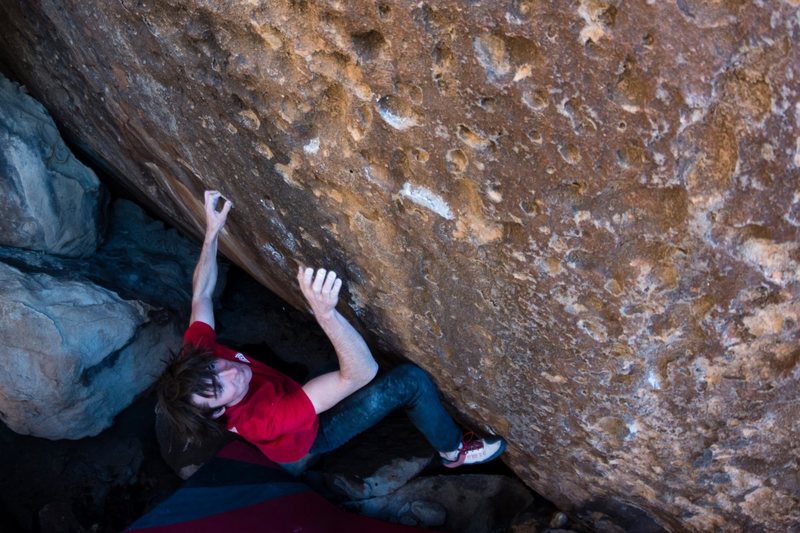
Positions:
(582, 217)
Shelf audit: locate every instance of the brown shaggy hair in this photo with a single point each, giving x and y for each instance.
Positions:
(189, 372)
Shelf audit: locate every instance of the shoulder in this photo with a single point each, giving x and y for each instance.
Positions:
(200, 334)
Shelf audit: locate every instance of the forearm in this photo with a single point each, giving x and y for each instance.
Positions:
(356, 363)
(205, 273)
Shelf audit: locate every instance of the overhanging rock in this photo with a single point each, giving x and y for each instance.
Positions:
(582, 217)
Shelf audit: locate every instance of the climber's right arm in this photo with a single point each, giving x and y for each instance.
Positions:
(205, 273)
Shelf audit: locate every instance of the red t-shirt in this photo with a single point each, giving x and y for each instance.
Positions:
(276, 414)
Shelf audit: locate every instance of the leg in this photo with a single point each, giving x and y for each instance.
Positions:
(406, 386)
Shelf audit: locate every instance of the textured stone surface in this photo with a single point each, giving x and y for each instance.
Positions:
(378, 462)
(469, 503)
(74, 354)
(49, 200)
(582, 218)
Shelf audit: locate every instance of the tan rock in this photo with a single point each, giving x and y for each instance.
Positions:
(590, 255)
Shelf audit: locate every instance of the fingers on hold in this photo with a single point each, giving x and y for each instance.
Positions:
(329, 279)
(319, 279)
(336, 286)
(308, 274)
(212, 199)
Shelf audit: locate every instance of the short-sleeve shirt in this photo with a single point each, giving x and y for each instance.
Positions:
(276, 414)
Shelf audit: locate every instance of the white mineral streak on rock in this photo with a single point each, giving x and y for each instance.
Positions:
(396, 121)
(570, 303)
(652, 380)
(312, 146)
(511, 19)
(562, 109)
(522, 72)
(772, 259)
(633, 427)
(554, 379)
(594, 329)
(581, 216)
(428, 199)
(771, 320)
(788, 217)
(492, 54)
(593, 31)
(397, 113)
(796, 158)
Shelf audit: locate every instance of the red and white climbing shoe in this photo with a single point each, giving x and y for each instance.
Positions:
(474, 451)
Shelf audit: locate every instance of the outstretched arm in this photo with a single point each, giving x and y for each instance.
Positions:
(357, 367)
(205, 273)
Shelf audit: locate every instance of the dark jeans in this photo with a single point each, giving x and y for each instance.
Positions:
(408, 387)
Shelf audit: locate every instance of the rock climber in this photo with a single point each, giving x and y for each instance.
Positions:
(207, 386)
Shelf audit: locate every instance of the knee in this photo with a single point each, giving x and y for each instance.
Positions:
(408, 373)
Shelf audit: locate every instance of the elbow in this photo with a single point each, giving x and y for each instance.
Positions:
(363, 377)
(372, 371)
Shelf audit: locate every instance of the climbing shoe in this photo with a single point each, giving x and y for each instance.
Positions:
(473, 451)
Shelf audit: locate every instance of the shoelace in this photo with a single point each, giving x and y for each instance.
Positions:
(469, 442)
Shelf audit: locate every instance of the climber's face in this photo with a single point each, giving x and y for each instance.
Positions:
(233, 382)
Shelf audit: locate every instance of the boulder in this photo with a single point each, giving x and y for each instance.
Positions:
(378, 462)
(74, 354)
(467, 503)
(582, 218)
(49, 200)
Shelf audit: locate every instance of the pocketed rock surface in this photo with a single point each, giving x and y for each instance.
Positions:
(582, 218)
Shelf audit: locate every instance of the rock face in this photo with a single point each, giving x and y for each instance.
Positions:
(49, 200)
(582, 218)
(74, 354)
